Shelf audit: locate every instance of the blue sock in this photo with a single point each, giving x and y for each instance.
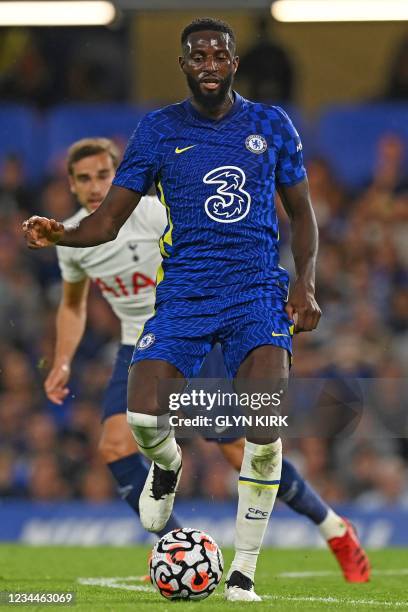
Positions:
(130, 473)
(298, 495)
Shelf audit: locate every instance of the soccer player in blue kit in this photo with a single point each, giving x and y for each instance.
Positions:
(216, 159)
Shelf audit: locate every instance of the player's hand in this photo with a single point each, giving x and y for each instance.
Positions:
(302, 307)
(55, 384)
(41, 232)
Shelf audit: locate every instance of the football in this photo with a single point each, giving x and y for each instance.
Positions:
(186, 564)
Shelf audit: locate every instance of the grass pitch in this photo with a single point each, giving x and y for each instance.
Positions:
(106, 578)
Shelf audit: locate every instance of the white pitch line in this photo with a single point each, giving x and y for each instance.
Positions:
(338, 600)
(320, 574)
(120, 582)
(127, 578)
(115, 583)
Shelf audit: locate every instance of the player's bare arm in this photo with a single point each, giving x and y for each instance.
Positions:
(302, 306)
(71, 320)
(102, 226)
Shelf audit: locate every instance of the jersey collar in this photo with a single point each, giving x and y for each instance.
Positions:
(235, 108)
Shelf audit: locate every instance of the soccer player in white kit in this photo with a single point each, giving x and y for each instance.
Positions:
(125, 271)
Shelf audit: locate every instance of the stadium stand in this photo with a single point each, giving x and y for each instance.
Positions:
(361, 200)
(346, 136)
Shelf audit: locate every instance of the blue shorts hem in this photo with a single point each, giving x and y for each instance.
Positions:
(282, 345)
(171, 360)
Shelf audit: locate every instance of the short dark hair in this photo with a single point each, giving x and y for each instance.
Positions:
(87, 147)
(207, 23)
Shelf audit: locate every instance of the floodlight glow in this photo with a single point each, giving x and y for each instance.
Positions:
(64, 13)
(339, 10)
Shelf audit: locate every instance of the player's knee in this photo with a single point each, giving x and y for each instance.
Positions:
(150, 384)
(114, 448)
(138, 405)
(141, 400)
(107, 451)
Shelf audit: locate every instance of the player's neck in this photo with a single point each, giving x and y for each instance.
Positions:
(216, 112)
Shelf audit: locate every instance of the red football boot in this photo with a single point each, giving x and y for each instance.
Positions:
(350, 555)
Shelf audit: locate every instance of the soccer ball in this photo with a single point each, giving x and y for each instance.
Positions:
(186, 564)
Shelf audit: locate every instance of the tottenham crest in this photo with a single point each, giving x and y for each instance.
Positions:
(256, 144)
(146, 341)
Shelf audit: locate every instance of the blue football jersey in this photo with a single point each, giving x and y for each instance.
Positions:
(217, 180)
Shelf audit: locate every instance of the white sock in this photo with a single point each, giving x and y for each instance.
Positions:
(332, 526)
(257, 488)
(155, 439)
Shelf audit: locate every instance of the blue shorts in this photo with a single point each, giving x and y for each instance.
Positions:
(183, 331)
(115, 397)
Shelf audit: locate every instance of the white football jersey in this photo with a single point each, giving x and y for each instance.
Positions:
(124, 269)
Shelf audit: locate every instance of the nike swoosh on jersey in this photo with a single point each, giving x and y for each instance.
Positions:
(177, 150)
(275, 335)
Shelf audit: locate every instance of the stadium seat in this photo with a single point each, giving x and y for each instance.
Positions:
(347, 137)
(67, 123)
(20, 130)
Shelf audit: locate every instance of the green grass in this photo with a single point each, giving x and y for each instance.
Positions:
(58, 569)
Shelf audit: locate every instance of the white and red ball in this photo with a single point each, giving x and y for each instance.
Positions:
(186, 564)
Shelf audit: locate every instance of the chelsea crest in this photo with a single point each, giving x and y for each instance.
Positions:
(146, 341)
(256, 144)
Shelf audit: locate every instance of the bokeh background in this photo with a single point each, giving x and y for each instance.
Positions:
(346, 88)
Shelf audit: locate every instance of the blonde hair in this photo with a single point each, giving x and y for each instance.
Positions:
(86, 147)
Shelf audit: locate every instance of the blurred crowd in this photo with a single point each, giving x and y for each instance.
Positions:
(49, 452)
(47, 66)
(362, 288)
